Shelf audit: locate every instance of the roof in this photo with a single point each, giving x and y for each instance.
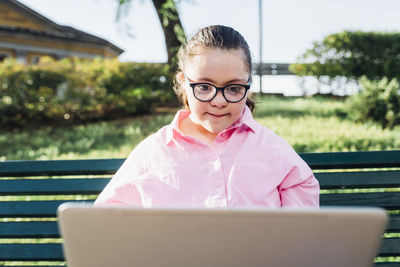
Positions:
(51, 29)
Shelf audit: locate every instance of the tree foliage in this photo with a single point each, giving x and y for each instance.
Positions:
(352, 55)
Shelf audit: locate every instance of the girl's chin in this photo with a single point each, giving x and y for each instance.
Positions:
(212, 129)
(209, 127)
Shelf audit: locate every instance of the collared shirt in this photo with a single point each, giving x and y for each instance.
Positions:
(246, 165)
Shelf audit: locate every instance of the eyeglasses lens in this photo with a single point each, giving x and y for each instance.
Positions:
(234, 93)
(206, 92)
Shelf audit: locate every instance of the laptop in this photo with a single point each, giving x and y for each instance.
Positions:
(181, 237)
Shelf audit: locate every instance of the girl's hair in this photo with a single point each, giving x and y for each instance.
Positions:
(215, 36)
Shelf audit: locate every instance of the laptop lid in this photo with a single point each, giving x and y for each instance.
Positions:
(125, 236)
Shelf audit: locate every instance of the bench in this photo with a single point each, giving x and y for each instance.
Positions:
(31, 191)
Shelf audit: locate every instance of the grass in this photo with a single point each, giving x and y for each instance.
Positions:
(308, 124)
(113, 139)
(311, 125)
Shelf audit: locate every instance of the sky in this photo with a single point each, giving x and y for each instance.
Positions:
(289, 26)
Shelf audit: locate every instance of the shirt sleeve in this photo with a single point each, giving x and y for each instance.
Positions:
(300, 188)
(125, 187)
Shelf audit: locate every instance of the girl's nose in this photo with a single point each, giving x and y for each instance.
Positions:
(219, 100)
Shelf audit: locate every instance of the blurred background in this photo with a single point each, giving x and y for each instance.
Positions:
(289, 27)
(92, 78)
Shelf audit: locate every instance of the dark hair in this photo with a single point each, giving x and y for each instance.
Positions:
(215, 36)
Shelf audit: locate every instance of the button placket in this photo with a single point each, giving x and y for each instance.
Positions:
(217, 186)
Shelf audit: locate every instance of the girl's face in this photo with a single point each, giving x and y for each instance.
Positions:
(219, 67)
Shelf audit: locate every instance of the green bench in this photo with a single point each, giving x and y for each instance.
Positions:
(31, 191)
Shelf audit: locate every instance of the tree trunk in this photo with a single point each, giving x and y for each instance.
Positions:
(172, 28)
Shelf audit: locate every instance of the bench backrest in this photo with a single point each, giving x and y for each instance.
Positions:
(31, 191)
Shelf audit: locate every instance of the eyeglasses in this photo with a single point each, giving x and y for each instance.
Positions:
(207, 91)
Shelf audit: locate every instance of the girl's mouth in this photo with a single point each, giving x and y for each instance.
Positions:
(217, 115)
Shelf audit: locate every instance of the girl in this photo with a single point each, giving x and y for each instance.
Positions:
(213, 154)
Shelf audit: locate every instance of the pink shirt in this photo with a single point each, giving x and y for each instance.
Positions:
(247, 165)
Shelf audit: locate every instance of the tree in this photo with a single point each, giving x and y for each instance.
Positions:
(352, 55)
(170, 23)
(340, 59)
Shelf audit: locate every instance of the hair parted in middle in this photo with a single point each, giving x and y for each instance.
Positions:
(215, 36)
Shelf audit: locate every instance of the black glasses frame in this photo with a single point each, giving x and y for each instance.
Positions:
(222, 89)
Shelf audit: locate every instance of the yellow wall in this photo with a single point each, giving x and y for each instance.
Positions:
(33, 57)
(7, 52)
(9, 17)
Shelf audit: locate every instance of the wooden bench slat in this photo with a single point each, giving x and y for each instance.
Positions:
(52, 186)
(394, 224)
(387, 264)
(45, 229)
(49, 229)
(59, 167)
(387, 200)
(369, 179)
(335, 180)
(390, 247)
(31, 208)
(349, 160)
(329, 160)
(53, 251)
(31, 252)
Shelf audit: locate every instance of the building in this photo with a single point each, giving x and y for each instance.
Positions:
(26, 35)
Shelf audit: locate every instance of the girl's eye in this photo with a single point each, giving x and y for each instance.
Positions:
(204, 87)
(234, 89)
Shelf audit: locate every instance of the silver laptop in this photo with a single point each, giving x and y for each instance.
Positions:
(174, 237)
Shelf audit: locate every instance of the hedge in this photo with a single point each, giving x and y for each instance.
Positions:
(74, 90)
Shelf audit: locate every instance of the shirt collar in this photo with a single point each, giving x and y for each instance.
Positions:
(246, 120)
(173, 127)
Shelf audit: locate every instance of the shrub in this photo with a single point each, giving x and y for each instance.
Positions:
(379, 101)
(73, 90)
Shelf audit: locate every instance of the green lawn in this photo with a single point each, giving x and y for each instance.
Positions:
(311, 125)
(308, 124)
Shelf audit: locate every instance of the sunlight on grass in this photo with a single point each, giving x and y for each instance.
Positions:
(316, 134)
(114, 139)
(34, 263)
(388, 259)
(308, 124)
(49, 197)
(30, 240)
